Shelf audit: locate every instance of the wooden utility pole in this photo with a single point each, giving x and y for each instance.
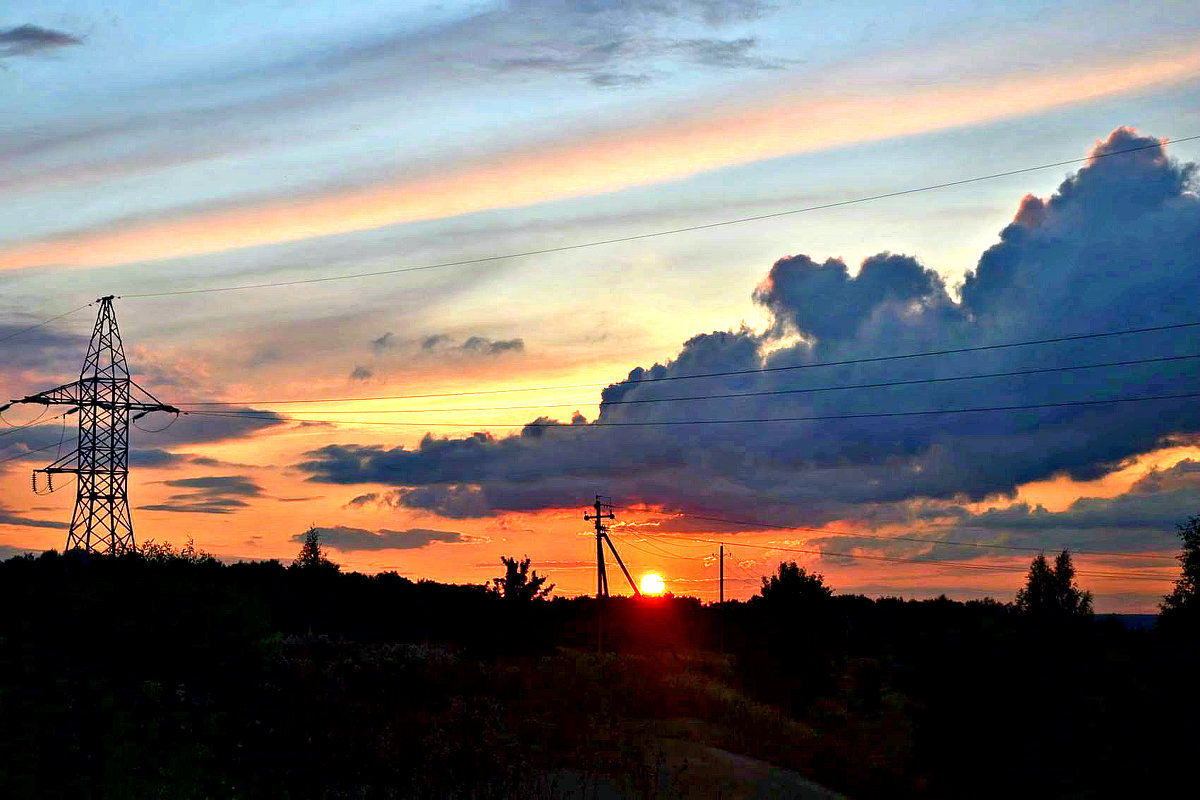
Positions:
(722, 574)
(604, 510)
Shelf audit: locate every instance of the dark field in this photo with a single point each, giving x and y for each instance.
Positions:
(180, 677)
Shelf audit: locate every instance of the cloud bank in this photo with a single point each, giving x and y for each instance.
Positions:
(1117, 246)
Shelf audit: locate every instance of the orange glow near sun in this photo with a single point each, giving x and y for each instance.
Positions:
(652, 584)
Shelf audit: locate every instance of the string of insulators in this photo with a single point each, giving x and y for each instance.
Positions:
(49, 482)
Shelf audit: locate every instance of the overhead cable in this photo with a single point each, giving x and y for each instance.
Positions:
(733, 395)
(677, 422)
(654, 234)
(753, 371)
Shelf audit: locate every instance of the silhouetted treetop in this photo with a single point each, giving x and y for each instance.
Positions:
(1184, 600)
(312, 556)
(793, 584)
(1051, 592)
(518, 584)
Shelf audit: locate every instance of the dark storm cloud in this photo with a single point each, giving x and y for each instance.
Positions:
(164, 459)
(214, 494)
(385, 342)
(25, 40)
(199, 429)
(219, 485)
(486, 346)
(612, 80)
(350, 540)
(29, 443)
(180, 504)
(823, 301)
(362, 500)
(361, 373)
(1144, 518)
(723, 53)
(53, 353)
(477, 345)
(608, 43)
(1117, 246)
(452, 502)
(157, 458)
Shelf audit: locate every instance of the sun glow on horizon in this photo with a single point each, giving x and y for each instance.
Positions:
(652, 584)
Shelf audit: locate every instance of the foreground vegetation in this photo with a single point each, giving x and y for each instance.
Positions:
(171, 675)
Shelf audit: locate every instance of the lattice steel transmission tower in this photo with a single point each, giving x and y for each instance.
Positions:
(104, 397)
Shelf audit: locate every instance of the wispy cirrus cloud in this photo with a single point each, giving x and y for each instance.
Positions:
(606, 160)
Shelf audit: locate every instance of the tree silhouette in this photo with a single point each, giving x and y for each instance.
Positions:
(794, 584)
(311, 556)
(1051, 592)
(1184, 599)
(518, 585)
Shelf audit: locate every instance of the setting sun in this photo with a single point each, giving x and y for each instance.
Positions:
(652, 583)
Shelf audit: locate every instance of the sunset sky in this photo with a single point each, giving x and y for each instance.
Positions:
(149, 148)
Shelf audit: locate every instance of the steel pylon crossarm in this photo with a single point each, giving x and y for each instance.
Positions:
(76, 392)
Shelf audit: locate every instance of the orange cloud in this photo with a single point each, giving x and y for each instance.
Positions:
(661, 151)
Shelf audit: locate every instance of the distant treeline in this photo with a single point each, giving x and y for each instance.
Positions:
(167, 674)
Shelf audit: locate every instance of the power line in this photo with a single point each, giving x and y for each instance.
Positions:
(654, 234)
(43, 323)
(753, 420)
(19, 456)
(915, 539)
(768, 393)
(754, 371)
(952, 564)
(920, 561)
(33, 422)
(653, 552)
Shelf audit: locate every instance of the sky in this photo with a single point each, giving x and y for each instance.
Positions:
(159, 151)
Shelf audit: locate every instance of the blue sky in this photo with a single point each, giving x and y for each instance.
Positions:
(146, 147)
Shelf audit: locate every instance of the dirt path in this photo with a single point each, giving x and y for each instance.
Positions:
(694, 769)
